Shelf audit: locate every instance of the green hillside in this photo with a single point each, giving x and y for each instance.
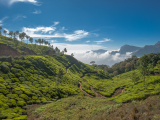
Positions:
(61, 87)
(20, 46)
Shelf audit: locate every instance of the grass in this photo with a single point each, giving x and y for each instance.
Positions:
(75, 108)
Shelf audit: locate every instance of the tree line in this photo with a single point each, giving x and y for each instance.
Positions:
(23, 35)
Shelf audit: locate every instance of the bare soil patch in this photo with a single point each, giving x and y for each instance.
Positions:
(80, 87)
(118, 91)
(8, 51)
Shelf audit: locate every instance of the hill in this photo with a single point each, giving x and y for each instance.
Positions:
(61, 87)
(13, 47)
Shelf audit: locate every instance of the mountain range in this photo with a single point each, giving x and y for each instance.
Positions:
(135, 50)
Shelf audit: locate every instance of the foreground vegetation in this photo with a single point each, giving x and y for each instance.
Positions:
(85, 108)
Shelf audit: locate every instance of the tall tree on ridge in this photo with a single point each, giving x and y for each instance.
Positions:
(17, 32)
(36, 41)
(39, 40)
(10, 33)
(65, 50)
(14, 35)
(22, 36)
(27, 36)
(31, 40)
(5, 31)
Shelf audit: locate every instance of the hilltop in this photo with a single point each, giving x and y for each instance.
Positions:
(13, 47)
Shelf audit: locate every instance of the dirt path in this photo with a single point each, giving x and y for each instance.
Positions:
(80, 87)
(98, 95)
(68, 72)
(118, 91)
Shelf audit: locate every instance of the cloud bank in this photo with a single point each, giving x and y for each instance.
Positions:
(79, 51)
(105, 58)
(35, 2)
(50, 32)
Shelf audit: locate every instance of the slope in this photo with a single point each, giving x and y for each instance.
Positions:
(9, 46)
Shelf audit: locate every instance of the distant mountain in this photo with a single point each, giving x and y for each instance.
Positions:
(138, 51)
(126, 48)
(148, 49)
(100, 51)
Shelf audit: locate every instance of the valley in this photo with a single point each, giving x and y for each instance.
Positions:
(37, 83)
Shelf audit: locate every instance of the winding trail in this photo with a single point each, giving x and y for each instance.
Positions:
(97, 95)
(80, 87)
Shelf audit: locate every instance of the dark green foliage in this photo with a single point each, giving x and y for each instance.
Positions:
(32, 80)
(5, 68)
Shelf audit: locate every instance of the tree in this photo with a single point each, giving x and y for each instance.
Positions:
(5, 31)
(31, 40)
(0, 29)
(14, 35)
(128, 67)
(72, 55)
(92, 62)
(36, 41)
(46, 42)
(10, 33)
(144, 61)
(22, 36)
(115, 73)
(42, 41)
(65, 50)
(62, 52)
(56, 49)
(27, 36)
(17, 32)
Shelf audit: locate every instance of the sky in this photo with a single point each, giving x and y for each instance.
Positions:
(84, 25)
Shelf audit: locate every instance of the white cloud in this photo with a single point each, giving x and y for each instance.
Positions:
(79, 51)
(88, 41)
(36, 11)
(78, 34)
(105, 40)
(56, 23)
(6, 30)
(32, 31)
(35, 2)
(77, 48)
(19, 17)
(63, 28)
(2, 20)
(47, 32)
(53, 41)
(105, 58)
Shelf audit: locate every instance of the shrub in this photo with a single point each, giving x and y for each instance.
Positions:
(11, 102)
(24, 96)
(5, 68)
(14, 70)
(21, 103)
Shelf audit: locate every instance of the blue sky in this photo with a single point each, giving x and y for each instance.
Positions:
(82, 25)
